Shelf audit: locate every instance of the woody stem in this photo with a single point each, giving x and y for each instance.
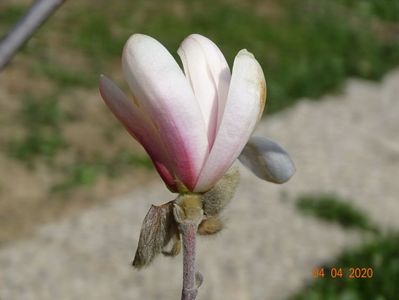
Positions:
(189, 231)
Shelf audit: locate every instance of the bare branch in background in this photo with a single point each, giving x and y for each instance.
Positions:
(40, 11)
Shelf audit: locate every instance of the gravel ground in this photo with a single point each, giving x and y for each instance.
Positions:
(347, 144)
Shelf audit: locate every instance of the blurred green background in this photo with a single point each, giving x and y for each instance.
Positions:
(50, 105)
(305, 47)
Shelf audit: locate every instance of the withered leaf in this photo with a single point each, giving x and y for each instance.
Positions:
(157, 230)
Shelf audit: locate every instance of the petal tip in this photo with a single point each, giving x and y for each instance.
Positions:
(102, 78)
(133, 41)
(246, 53)
(105, 83)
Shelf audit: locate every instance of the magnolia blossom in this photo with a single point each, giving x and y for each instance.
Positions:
(193, 124)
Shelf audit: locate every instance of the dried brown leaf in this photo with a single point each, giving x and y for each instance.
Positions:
(157, 230)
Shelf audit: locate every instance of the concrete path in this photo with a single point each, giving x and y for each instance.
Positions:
(346, 144)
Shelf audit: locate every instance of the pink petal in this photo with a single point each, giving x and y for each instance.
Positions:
(245, 104)
(164, 93)
(209, 75)
(139, 126)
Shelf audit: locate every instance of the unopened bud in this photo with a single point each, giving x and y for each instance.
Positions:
(219, 196)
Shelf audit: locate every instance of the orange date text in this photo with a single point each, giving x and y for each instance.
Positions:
(341, 272)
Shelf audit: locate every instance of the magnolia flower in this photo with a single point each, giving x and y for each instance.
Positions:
(193, 124)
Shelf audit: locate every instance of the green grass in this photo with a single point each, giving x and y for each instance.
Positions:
(9, 15)
(38, 143)
(387, 10)
(94, 35)
(87, 172)
(42, 119)
(62, 76)
(306, 51)
(381, 255)
(333, 209)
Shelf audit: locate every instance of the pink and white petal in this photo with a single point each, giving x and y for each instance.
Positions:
(166, 175)
(139, 126)
(164, 93)
(209, 75)
(245, 104)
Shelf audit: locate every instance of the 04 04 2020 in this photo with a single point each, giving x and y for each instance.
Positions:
(343, 272)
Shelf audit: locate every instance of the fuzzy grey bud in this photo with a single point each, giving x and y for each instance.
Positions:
(267, 160)
(219, 196)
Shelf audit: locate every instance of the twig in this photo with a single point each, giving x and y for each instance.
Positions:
(189, 231)
(39, 12)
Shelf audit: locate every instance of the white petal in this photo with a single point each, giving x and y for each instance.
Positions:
(267, 160)
(244, 106)
(209, 75)
(163, 91)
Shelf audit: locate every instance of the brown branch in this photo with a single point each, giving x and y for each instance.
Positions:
(39, 12)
